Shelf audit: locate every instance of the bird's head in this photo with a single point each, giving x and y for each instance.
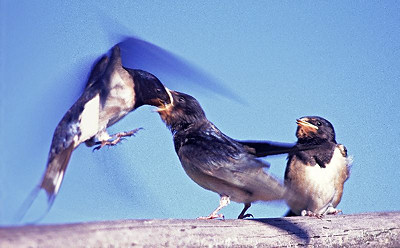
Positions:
(183, 111)
(314, 129)
(149, 90)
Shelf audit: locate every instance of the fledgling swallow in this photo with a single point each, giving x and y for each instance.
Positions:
(215, 161)
(316, 176)
(112, 91)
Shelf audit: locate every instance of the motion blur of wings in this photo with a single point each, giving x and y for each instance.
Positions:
(174, 71)
(169, 67)
(139, 54)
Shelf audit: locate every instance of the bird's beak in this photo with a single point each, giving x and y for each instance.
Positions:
(167, 106)
(304, 123)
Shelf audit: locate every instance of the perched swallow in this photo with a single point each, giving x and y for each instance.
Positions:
(112, 91)
(215, 161)
(316, 176)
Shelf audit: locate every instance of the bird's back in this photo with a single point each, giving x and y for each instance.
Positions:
(220, 164)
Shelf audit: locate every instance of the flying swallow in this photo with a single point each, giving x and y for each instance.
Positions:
(112, 91)
(316, 176)
(215, 161)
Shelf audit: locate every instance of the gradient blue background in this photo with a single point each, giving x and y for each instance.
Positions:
(338, 60)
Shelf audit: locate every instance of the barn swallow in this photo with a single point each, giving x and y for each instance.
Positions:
(112, 91)
(316, 176)
(215, 161)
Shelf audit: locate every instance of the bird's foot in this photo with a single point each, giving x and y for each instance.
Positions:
(311, 214)
(245, 216)
(107, 143)
(211, 216)
(118, 138)
(223, 201)
(126, 134)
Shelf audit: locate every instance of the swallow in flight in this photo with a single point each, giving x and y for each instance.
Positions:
(112, 91)
(215, 161)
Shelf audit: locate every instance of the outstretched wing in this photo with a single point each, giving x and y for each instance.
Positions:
(267, 148)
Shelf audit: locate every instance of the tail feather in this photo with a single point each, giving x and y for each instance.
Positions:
(51, 182)
(55, 172)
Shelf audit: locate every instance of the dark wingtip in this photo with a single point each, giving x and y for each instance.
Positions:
(267, 148)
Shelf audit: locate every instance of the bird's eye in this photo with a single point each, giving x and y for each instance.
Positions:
(319, 123)
(181, 99)
(158, 90)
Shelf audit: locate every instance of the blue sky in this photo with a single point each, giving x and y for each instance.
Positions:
(286, 60)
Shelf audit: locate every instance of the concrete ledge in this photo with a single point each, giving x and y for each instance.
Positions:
(369, 229)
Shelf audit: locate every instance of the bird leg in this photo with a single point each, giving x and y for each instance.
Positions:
(223, 202)
(117, 138)
(242, 215)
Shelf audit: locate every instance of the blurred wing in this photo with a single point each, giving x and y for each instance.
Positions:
(140, 54)
(137, 53)
(97, 71)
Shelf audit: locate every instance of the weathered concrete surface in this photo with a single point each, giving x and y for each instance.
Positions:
(370, 229)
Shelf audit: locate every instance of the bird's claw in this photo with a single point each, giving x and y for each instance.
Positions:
(245, 216)
(118, 138)
(311, 214)
(211, 216)
(107, 143)
(127, 134)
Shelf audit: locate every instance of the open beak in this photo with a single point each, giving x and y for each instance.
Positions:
(167, 106)
(304, 123)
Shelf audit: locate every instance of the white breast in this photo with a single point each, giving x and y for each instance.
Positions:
(324, 177)
(89, 120)
(318, 190)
